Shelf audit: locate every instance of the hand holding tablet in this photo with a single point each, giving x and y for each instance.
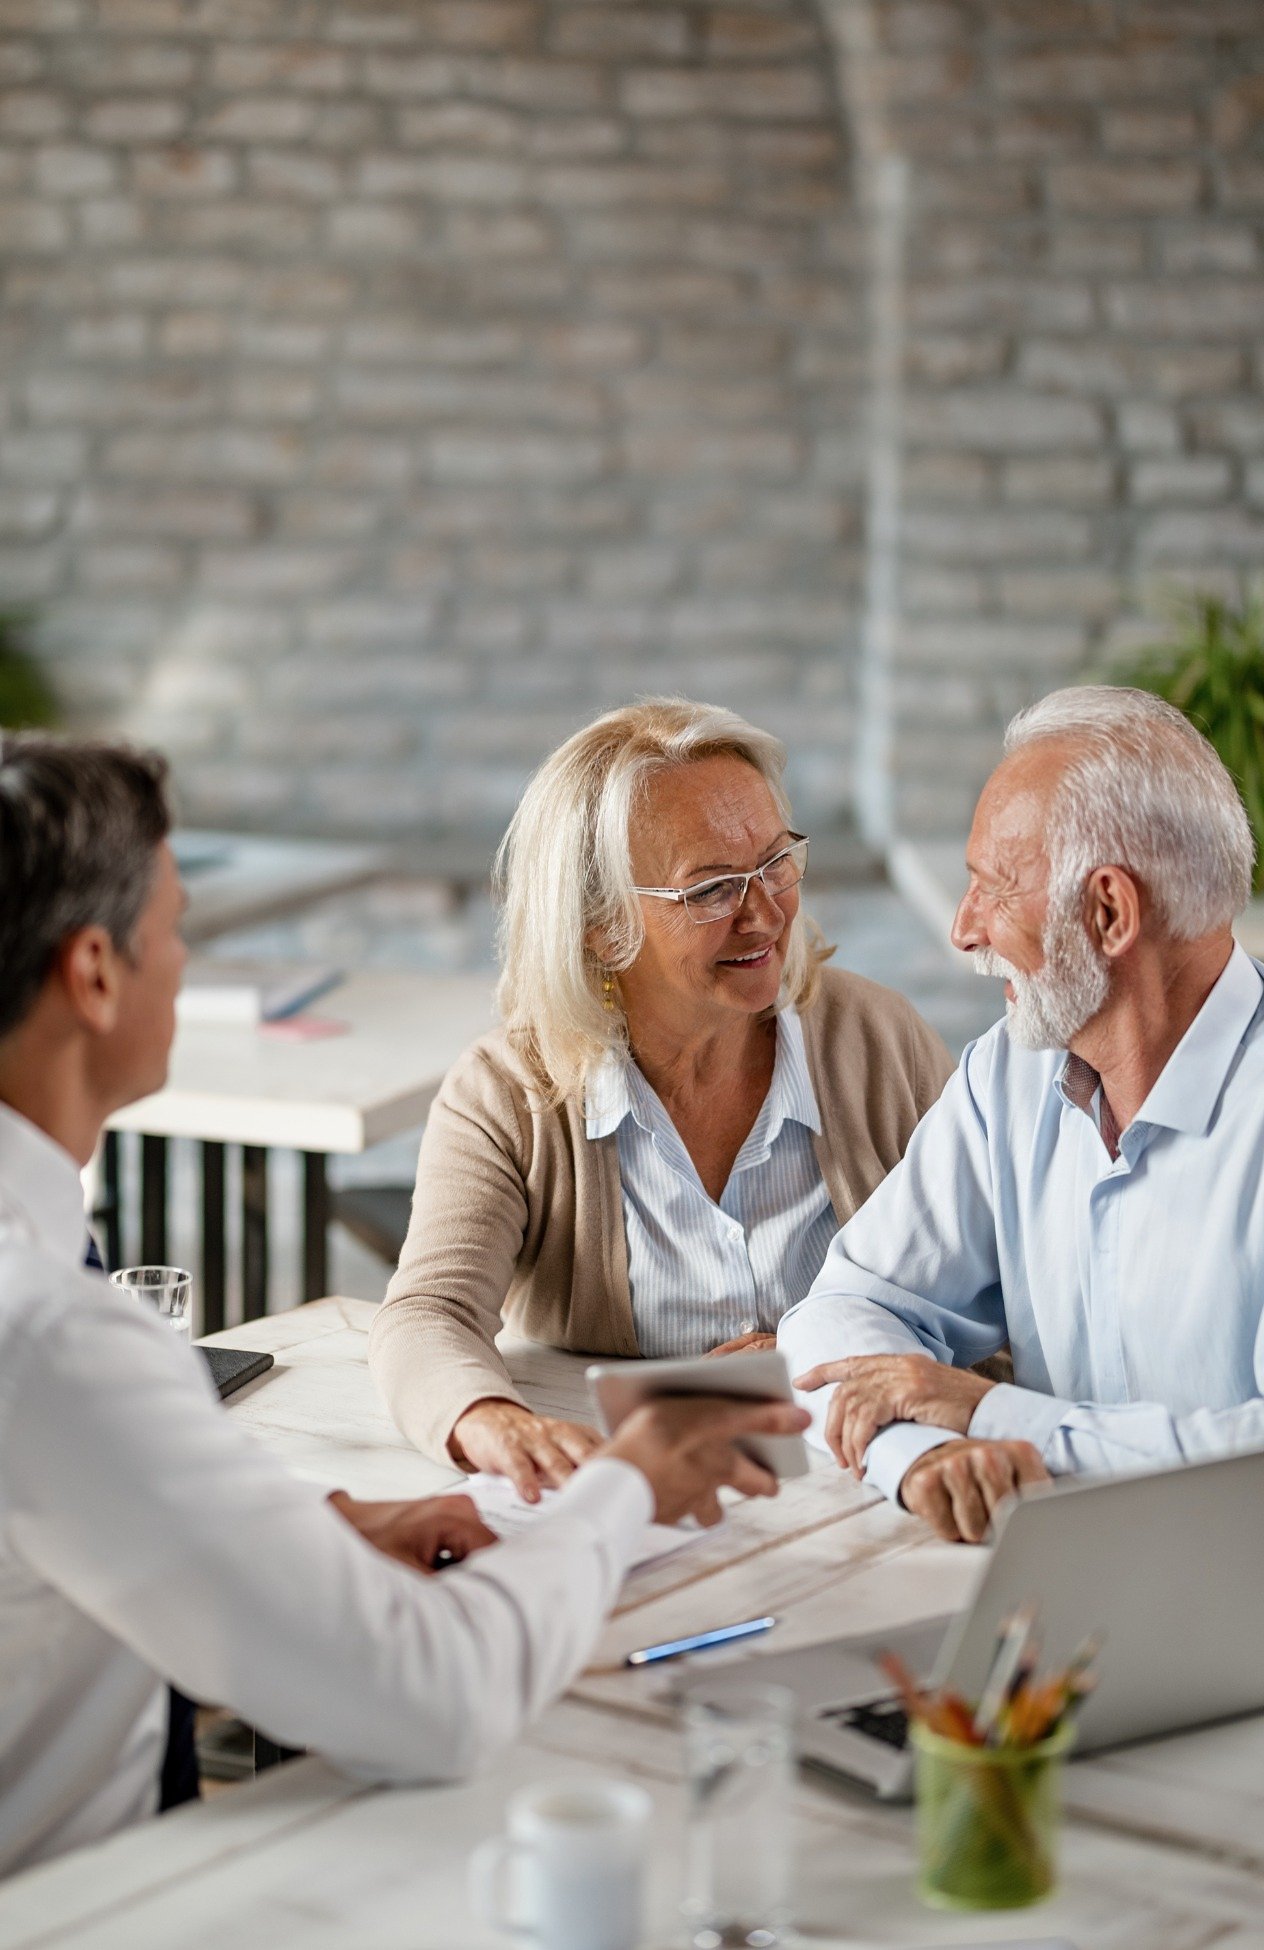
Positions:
(617, 1388)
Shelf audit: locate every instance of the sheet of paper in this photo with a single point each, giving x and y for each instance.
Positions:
(503, 1510)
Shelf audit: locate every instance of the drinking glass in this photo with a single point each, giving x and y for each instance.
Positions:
(167, 1289)
(739, 1748)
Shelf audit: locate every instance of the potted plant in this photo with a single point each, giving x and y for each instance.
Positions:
(1212, 668)
(26, 698)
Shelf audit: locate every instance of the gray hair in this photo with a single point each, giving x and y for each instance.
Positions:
(564, 874)
(80, 825)
(1145, 790)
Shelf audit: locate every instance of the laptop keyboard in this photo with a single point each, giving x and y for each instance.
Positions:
(882, 1722)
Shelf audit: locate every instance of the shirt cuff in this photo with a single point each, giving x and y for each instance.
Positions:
(613, 1499)
(1009, 1414)
(893, 1452)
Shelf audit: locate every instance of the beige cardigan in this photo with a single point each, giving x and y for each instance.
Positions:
(517, 1217)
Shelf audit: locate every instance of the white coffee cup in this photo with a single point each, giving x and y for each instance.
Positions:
(570, 1873)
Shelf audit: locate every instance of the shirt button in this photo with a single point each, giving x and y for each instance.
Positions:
(748, 1327)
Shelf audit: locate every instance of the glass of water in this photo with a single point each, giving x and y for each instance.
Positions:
(739, 1749)
(167, 1289)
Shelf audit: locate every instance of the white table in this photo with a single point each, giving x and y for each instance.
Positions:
(231, 1084)
(1164, 1844)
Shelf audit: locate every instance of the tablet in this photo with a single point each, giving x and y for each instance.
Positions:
(619, 1387)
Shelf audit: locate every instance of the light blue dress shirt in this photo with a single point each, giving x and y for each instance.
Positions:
(1130, 1291)
(702, 1272)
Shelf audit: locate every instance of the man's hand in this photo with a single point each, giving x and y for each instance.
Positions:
(536, 1452)
(744, 1344)
(957, 1486)
(875, 1390)
(421, 1532)
(686, 1447)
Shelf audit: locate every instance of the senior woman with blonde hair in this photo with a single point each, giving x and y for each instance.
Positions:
(653, 1153)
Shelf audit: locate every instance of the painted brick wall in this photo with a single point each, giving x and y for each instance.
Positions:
(1070, 198)
(387, 387)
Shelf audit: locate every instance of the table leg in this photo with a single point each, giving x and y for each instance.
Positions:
(315, 1226)
(254, 1231)
(214, 1258)
(112, 1207)
(153, 1200)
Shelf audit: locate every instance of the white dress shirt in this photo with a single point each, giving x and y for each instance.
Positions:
(702, 1270)
(145, 1539)
(1129, 1289)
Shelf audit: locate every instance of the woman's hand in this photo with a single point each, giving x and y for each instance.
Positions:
(536, 1452)
(744, 1344)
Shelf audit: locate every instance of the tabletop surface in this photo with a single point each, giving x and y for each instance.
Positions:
(1163, 1846)
(241, 1085)
(236, 879)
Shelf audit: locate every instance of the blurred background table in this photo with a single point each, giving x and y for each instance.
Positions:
(236, 879)
(231, 1084)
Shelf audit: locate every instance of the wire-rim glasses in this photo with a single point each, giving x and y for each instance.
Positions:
(720, 899)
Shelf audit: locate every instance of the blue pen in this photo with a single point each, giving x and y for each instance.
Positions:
(649, 1655)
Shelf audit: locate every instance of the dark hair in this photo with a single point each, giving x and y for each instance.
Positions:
(80, 824)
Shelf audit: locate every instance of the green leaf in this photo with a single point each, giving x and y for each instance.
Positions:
(1211, 667)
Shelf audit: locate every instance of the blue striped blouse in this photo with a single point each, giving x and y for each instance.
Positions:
(701, 1272)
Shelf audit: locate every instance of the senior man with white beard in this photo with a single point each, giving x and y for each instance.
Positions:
(1088, 1190)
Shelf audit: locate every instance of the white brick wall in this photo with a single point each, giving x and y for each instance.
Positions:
(389, 387)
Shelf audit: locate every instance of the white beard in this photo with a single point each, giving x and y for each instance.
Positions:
(1053, 1005)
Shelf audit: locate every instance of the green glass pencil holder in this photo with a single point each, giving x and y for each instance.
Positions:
(987, 1820)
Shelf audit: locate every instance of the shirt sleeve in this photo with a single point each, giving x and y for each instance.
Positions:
(127, 1488)
(1084, 1437)
(915, 1271)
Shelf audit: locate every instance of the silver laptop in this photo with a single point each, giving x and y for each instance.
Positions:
(1169, 1566)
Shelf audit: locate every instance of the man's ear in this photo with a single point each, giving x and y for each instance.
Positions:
(88, 965)
(1113, 911)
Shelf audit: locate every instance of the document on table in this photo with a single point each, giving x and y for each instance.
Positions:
(503, 1510)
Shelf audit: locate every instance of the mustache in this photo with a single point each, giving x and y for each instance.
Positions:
(986, 961)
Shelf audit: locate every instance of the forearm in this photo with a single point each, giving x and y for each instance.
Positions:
(892, 1454)
(430, 1363)
(150, 1511)
(324, 1643)
(432, 1348)
(1092, 1439)
(833, 1327)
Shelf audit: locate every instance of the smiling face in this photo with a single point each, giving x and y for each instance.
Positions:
(711, 816)
(1055, 980)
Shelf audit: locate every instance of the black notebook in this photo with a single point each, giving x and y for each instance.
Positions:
(232, 1367)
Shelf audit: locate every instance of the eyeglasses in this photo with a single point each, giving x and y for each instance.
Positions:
(719, 900)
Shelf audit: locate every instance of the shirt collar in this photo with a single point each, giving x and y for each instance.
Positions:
(1184, 1095)
(612, 1093)
(792, 1094)
(40, 1188)
(607, 1098)
(1186, 1091)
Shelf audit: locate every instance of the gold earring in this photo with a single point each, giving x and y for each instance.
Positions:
(607, 991)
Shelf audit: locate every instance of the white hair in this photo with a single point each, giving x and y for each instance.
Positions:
(1143, 790)
(564, 877)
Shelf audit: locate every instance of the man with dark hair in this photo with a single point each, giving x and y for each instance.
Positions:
(145, 1539)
